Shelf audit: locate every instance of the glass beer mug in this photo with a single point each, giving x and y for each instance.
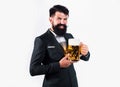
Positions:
(74, 49)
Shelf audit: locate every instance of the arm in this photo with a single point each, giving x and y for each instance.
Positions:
(36, 65)
(86, 57)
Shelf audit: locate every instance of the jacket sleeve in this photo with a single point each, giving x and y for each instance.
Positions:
(38, 55)
(86, 57)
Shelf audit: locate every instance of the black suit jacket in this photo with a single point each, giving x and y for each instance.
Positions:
(45, 60)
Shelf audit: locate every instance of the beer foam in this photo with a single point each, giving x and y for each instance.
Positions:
(74, 42)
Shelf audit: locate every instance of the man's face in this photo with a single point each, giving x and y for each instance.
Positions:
(59, 23)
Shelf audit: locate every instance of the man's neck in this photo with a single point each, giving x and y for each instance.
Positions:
(51, 30)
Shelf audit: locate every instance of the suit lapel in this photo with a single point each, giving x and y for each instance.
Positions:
(66, 38)
(53, 41)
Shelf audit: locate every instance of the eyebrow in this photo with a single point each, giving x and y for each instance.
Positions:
(63, 18)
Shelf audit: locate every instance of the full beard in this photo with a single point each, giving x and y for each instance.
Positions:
(60, 29)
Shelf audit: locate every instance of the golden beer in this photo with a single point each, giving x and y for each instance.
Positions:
(73, 49)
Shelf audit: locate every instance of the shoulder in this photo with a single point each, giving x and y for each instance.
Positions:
(45, 37)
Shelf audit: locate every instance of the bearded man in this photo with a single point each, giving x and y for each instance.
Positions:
(48, 56)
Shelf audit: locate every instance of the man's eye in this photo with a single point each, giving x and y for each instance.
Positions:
(59, 18)
(65, 19)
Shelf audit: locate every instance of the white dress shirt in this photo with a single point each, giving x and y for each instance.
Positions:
(60, 40)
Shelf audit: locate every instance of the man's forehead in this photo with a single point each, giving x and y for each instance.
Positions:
(61, 15)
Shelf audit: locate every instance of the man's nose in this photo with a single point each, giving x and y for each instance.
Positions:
(62, 22)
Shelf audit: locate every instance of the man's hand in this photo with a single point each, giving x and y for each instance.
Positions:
(65, 62)
(83, 49)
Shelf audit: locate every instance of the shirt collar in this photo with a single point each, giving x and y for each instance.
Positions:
(53, 33)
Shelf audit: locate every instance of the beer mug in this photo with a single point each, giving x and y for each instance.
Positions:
(73, 49)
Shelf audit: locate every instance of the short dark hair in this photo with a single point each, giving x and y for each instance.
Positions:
(58, 8)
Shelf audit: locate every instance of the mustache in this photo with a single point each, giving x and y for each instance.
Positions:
(58, 25)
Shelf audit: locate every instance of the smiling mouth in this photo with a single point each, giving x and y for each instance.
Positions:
(61, 27)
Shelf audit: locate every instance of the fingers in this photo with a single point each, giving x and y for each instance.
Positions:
(83, 48)
(65, 62)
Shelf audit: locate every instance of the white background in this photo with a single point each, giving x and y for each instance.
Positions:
(95, 22)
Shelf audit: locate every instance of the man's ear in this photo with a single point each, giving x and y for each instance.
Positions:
(50, 19)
